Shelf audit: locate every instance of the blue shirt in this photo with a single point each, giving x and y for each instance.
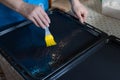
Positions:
(8, 15)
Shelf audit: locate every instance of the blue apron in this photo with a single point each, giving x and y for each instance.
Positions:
(8, 15)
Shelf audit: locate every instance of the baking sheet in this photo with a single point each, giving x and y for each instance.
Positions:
(26, 45)
(102, 64)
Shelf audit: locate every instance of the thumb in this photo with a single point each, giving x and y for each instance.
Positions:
(79, 16)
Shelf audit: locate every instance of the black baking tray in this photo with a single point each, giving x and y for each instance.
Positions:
(25, 49)
(102, 62)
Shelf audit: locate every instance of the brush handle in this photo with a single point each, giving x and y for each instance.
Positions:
(47, 31)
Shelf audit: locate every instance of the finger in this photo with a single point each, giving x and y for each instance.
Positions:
(79, 15)
(38, 20)
(42, 18)
(33, 20)
(47, 18)
(45, 15)
(84, 16)
(81, 19)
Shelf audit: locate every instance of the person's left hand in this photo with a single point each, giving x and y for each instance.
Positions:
(79, 10)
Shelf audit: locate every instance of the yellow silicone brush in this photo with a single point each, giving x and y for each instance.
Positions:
(49, 39)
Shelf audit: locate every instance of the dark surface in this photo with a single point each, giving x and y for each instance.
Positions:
(27, 47)
(104, 64)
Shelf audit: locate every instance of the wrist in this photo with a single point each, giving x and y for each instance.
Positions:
(74, 1)
(23, 8)
(19, 7)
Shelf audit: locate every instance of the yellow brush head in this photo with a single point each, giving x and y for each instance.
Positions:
(49, 40)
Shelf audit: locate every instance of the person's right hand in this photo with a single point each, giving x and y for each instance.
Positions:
(79, 10)
(36, 14)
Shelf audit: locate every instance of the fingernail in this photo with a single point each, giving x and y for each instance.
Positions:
(50, 21)
(47, 25)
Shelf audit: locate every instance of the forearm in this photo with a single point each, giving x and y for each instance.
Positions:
(34, 13)
(73, 2)
(13, 4)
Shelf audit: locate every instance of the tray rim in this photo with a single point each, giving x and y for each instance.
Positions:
(85, 25)
(76, 60)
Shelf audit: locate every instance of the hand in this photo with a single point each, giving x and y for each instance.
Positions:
(36, 14)
(79, 10)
